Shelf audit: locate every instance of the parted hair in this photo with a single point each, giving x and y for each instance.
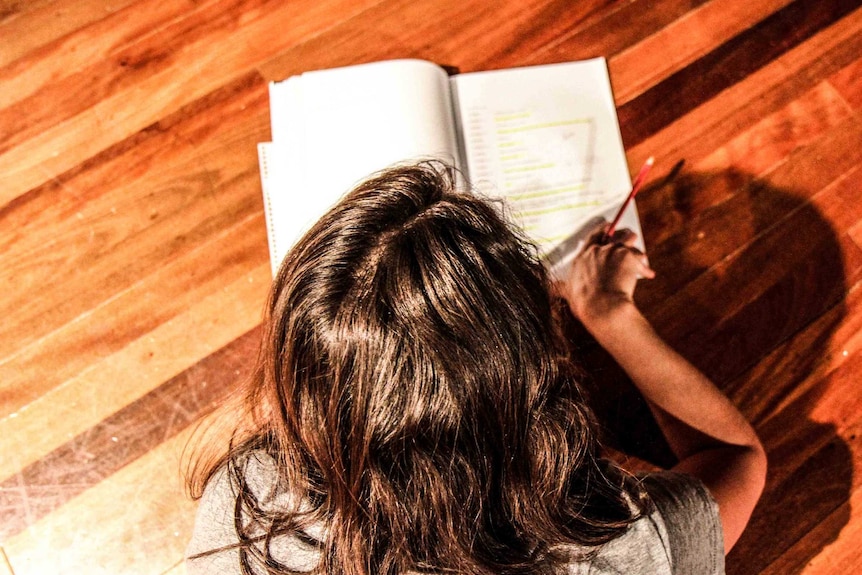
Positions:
(416, 394)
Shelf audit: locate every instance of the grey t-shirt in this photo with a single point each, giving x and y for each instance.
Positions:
(682, 536)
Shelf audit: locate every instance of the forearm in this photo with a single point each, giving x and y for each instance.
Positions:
(709, 436)
(681, 396)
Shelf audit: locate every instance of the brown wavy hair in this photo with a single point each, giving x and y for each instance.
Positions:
(415, 391)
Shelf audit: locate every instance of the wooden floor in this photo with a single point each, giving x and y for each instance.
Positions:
(134, 265)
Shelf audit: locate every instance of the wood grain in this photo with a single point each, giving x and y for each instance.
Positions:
(731, 62)
(705, 29)
(47, 484)
(134, 265)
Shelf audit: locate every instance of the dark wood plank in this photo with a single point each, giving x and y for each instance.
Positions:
(612, 31)
(723, 67)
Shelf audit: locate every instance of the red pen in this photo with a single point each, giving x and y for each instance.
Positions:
(639, 180)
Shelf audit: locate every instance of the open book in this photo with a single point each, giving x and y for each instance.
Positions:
(545, 138)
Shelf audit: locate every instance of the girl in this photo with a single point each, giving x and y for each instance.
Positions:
(415, 410)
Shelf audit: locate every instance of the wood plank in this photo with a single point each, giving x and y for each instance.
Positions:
(856, 235)
(85, 461)
(760, 207)
(33, 24)
(178, 183)
(803, 398)
(129, 317)
(785, 279)
(657, 57)
(498, 35)
(848, 82)
(136, 522)
(793, 373)
(614, 30)
(758, 240)
(170, 80)
(831, 547)
(819, 487)
(75, 406)
(761, 148)
(10, 10)
(810, 426)
(68, 66)
(814, 381)
(736, 59)
(687, 220)
(696, 134)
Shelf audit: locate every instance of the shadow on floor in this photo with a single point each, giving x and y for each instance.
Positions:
(750, 289)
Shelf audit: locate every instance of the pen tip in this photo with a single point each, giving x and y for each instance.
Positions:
(650, 161)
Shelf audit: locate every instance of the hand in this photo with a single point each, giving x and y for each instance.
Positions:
(604, 275)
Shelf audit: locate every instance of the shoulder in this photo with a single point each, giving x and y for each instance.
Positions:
(213, 546)
(216, 546)
(680, 535)
(691, 518)
(694, 536)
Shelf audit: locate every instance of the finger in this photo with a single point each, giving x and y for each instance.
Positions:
(617, 251)
(610, 251)
(625, 236)
(644, 271)
(632, 260)
(597, 235)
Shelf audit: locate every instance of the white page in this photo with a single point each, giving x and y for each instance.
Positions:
(546, 138)
(282, 166)
(370, 116)
(333, 128)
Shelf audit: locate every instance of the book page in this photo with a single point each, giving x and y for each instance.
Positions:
(545, 138)
(331, 129)
(282, 168)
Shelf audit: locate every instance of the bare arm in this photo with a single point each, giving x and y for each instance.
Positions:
(709, 436)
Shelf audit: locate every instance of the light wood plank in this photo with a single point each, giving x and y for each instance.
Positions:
(193, 71)
(763, 147)
(129, 213)
(682, 42)
(774, 86)
(848, 82)
(130, 315)
(757, 241)
(137, 522)
(165, 213)
(39, 23)
(71, 408)
(82, 51)
(497, 36)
